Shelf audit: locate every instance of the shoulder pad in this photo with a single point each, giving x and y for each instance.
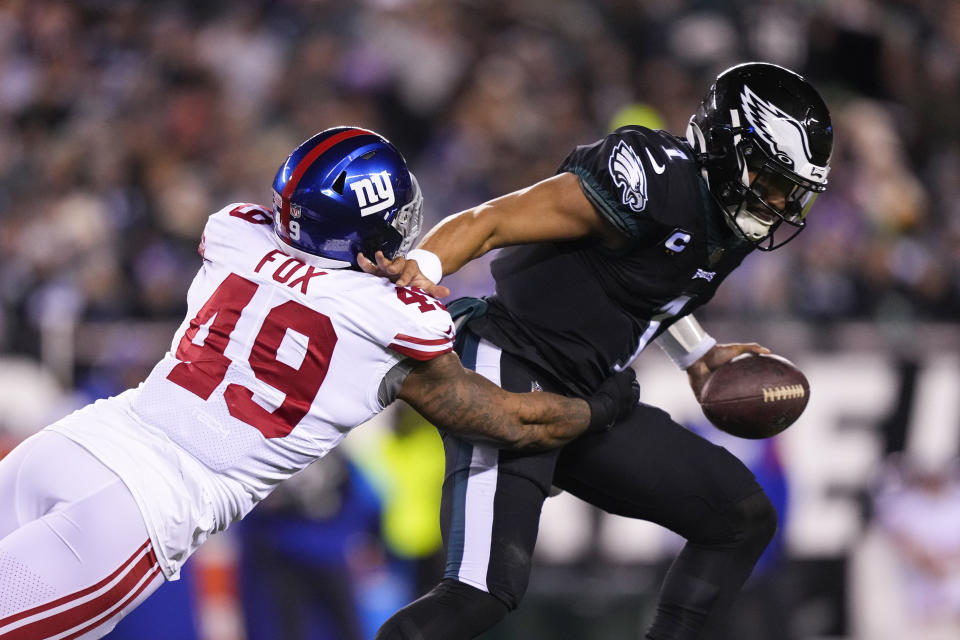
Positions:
(427, 330)
(222, 228)
(625, 174)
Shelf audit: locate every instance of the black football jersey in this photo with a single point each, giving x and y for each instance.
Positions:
(580, 311)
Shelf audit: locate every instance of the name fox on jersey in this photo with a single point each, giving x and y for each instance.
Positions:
(288, 268)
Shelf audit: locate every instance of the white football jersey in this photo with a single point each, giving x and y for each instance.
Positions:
(277, 359)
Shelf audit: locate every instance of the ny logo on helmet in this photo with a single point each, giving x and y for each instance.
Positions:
(374, 194)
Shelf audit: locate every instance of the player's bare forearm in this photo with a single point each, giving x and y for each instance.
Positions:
(463, 402)
(550, 210)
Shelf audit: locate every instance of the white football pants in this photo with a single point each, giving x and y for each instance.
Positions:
(75, 556)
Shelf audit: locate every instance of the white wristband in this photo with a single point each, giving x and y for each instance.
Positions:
(428, 262)
(685, 341)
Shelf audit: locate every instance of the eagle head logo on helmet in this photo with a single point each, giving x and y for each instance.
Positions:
(761, 124)
(343, 192)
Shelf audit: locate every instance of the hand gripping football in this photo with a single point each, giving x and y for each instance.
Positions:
(755, 396)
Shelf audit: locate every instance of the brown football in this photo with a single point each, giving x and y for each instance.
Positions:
(755, 396)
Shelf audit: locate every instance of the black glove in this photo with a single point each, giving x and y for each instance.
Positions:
(615, 399)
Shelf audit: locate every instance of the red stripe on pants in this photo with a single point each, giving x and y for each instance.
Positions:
(70, 618)
(133, 596)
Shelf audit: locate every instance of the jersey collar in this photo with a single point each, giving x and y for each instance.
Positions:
(309, 258)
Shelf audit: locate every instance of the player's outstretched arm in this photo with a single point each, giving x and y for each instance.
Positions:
(460, 401)
(550, 210)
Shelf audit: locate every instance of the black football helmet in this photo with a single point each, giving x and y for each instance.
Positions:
(763, 138)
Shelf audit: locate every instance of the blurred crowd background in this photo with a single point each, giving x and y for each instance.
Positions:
(125, 123)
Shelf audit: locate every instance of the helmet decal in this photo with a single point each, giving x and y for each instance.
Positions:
(374, 193)
(627, 172)
(783, 134)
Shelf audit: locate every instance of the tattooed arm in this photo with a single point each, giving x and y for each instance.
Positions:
(463, 402)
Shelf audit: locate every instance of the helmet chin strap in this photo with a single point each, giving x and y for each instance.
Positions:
(748, 225)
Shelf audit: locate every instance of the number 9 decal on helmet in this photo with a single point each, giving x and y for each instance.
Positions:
(763, 138)
(347, 191)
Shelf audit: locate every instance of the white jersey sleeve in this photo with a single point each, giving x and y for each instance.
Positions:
(277, 359)
(422, 336)
(217, 243)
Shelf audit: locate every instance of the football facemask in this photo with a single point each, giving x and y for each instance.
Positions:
(774, 202)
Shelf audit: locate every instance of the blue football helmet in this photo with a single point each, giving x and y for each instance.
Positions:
(347, 191)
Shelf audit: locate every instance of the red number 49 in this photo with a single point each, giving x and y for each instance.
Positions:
(414, 295)
(204, 366)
